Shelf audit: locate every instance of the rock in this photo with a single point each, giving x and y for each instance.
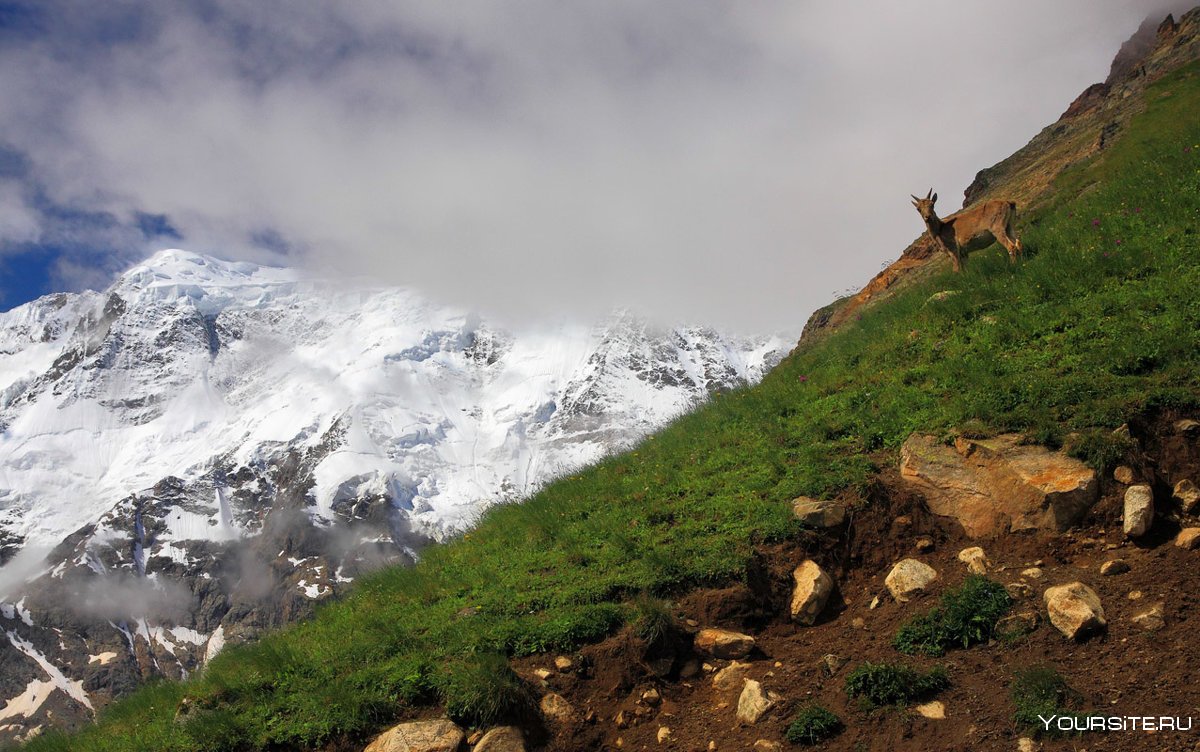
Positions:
(874, 604)
(502, 739)
(975, 559)
(722, 643)
(689, 669)
(935, 710)
(664, 734)
(1134, 595)
(1187, 427)
(1016, 625)
(812, 589)
(858, 623)
(1017, 590)
(555, 708)
(831, 664)
(731, 677)
(651, 697)
(909, 577)
(1139, 510)
(1075, 610)
(1026, 744)
(543, 673)
(766, 745)
(992, 486)
(938, 297)
(1115, 567)
(819, 514)
(563, 664)
(1150, 620)
(621, 720)
(1033, 573)
(420, 736)
(1188, 538)
(924, 544)
(1187, 494)
(753, 703)
(1123, 474)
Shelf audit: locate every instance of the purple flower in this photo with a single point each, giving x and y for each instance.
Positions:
(803, 378)
(1138, 210)
(1096, 222)
(1107, 254)
(1118, 242)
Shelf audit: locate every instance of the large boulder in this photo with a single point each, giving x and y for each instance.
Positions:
(993, 486)
(1139, 510)
(812, 590)
(909, 577)
(1075, 610)
(420, 736)
(722, 643)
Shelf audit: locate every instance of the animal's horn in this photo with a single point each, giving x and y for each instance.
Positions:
(927, 195)
(914, 198)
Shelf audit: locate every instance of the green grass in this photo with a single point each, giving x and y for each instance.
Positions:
(966, 616)
(1101, 322)
(812, 725)
(1041, 692)
(879, 684)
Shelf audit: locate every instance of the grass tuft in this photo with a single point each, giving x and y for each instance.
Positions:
(812, 725)
(967, 616)
(880, 684)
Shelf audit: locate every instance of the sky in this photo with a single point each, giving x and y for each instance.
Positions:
(736, 164)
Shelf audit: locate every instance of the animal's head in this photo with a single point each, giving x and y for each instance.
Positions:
(925, 205)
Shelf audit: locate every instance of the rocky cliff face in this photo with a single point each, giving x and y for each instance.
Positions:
(1093, 120)
(208, 449)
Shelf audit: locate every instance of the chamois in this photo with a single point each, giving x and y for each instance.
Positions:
(971, 229)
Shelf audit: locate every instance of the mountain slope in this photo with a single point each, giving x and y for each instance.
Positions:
(211, 447)
(1098, 327)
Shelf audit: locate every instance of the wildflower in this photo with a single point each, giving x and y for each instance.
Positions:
(1137, 210)
(1096, 222)
(1107, 254)
(1118, 242)
(803, 378)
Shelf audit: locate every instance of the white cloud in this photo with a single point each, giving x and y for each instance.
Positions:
(712, 161)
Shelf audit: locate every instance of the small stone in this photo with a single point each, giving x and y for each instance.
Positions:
(1188, 538)
(1018, 590)
(621, 720)
(902, 521)
(474, 738)
(651, 697)
(564, 664)
(543, 673)
(1016, 625)
(708, 668)
(909, 577)
(874, 604)
(1187, 427)
(712, 746)
(1075, 610)
(1150, 620)
(641, 711)
(722, 643)
(831, 664)
(620, 742)
(924, 544)
(1134, 595)
(935, 710)
(1025, 744)
(731, 677)
(1033, 573)
(1139, 510)
(556, 708)
(813, 587)
(819, 514)
(691, 622)
(502, 739)
(664, 734)
(753, 703)
(1187, 494)
(689, 669)
(858, 623)
(1115, 566)
(975, 559)
(1123, 474)
(766, 745)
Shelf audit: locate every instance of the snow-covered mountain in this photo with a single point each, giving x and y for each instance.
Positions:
(209, 447)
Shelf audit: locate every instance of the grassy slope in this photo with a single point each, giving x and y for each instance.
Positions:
(1102, 321)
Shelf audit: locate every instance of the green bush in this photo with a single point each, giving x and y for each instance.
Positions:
(652, 619)
(812, 724)
(1041, 691)
(879, 684)
(1101, 448)
(483, 690)
(967, 616)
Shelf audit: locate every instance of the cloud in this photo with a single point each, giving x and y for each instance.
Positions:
(730, 163)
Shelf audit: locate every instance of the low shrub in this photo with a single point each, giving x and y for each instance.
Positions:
(879, 684)
(1041, 691)
(812, 724)
(482, 690)
(966, 616)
